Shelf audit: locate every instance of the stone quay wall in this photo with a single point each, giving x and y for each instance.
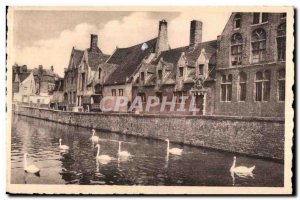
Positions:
(254, 136)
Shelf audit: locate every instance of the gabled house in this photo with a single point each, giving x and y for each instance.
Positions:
(89, 76)
(128, 60)
(26, 89)
(71, 79)
(184, 71)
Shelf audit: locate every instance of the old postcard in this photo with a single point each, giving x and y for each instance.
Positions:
(150, 100)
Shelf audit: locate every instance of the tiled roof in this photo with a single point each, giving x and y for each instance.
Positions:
(193, 53)
(96, 58)
(77, 56)
(170, 56)
(23, 76)
(128, 59)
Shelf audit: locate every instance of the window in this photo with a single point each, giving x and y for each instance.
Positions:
(242, 86)
(82, 81)
(236, 49)
(121, 92)
(281, 85)
(281, 41)
(201, 70)
(142, 76)
(282, 15)
(180, 71)
(258, 45)
(237, 21)
(262, 86)
(226, 88)
(113, 92)
(260, 18)
(74, 98)
(99, 73)
(159, 74)
(159, 96)
(143, 96)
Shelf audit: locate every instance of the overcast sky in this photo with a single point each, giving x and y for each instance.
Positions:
(47, 37)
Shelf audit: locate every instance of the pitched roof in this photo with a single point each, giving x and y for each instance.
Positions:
(23, 76)
(170, 56)
(193, 53)
(76, 56)
(95, 58)
(128, 59)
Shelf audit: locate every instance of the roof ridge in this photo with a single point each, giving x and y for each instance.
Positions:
(138, 44)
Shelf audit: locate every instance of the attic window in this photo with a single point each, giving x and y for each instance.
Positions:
(142, 76)
(201, 69)
(181, 72)
(237, 21)
(160, 74)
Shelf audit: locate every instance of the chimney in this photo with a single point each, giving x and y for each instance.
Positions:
(162, 43)
(94, 42)
(52, 68)
(195, 32)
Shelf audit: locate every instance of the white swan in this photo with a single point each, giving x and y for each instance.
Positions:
(241, 170)
(31, 168)
(175, 151)
(63, 147)
(94, 138)
(123, 153)
(104, 159)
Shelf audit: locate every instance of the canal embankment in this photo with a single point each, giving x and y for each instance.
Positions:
(254, 136)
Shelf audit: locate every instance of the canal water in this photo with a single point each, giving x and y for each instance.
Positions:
(148, 165)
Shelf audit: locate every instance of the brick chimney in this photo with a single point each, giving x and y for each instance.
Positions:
(162, 43)
(94, 42)
(195, 32)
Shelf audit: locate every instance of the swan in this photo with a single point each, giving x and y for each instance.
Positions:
(63, 147)
(104, 159)
(123, 153)
(94, 138)
(31, 168)
(175, 151)
(241, 170)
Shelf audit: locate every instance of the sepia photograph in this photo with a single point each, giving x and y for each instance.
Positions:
(149, 100)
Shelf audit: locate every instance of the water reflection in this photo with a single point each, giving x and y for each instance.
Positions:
(149, 163)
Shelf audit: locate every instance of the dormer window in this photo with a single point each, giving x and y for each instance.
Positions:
(237, 21)
(201, 70)
(99, 73)
(159, 74)
(180, 71)
(142, 76)
(259, 18)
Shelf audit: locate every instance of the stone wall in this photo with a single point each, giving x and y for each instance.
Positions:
(263, 137)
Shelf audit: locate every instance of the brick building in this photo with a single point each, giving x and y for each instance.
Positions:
(71, 78)
(185, 71)
(250, 73)
(128, 60)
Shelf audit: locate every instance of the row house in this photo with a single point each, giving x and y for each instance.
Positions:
(250, 73)
(33, 86)
(89, 87)
(126, 61)
(84, 77)
(185, 71)
(71, 79)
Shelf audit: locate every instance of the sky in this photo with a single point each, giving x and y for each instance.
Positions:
(47, 37)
